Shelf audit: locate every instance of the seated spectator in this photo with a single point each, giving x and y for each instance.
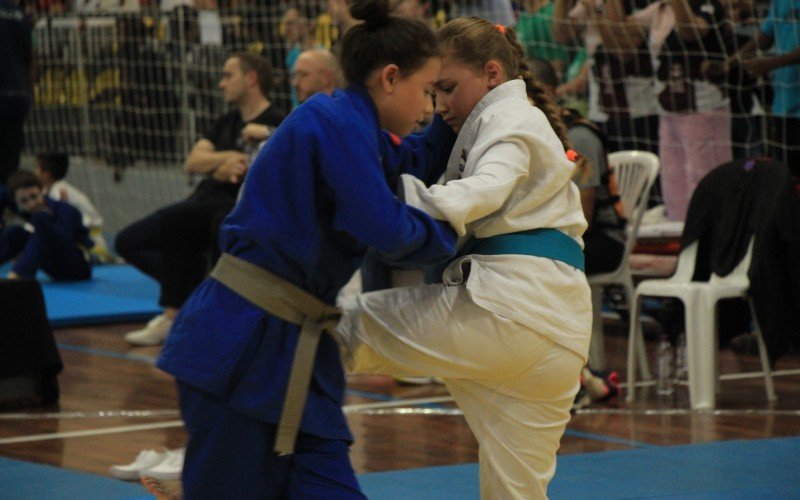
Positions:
(316, 70)
(51, 169)
(53, 238)
(173, 244)
(604, 239)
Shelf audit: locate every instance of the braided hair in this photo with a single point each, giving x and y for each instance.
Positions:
(474, 42)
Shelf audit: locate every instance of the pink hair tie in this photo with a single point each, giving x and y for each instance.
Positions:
(500, 28)
(572, 155)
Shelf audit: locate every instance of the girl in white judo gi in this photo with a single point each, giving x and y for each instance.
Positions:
(508, 329)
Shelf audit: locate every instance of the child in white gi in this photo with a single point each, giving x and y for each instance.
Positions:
(508, 330)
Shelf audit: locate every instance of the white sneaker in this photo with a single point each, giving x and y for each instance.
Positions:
(416, 380)
(169, 469)
(144, 460)
(154, 333)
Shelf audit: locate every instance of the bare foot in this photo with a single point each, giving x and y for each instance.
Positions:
(163, 490)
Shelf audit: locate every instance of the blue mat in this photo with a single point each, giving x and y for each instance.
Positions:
(768, 468)
(760, 469)
(116, 294)
(26, 481)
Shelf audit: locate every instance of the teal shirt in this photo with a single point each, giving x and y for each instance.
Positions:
(782, 24)
(535, 34)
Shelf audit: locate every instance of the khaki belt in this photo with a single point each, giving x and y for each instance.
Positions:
(290, 303)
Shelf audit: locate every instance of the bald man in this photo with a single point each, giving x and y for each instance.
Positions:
(316, 70)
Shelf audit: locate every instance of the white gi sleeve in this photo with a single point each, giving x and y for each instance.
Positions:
(502, 163)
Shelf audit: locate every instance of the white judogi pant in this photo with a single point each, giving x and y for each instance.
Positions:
(515, 386)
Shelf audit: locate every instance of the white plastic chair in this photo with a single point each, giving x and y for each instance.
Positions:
(634, 175)
(699, 300)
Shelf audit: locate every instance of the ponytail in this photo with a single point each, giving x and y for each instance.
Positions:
(383, 39)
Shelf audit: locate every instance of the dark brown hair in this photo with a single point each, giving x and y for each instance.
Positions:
(22, 179)
(383, 39)
(55, 163)
(258, 64)
(474, 41)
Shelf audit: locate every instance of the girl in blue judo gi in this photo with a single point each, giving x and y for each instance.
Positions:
(314, 199)
(508, 330)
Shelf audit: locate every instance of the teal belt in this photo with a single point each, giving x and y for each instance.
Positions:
(544, 242)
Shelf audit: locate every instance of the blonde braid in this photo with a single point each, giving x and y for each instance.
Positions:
(539, 98)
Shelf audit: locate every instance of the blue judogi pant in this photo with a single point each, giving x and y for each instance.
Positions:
(230, 455)
(50, 248)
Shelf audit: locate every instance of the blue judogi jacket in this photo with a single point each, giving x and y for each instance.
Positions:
(67, 221)
(314, 199)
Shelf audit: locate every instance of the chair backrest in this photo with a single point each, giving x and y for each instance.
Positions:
(684, 268)
(634, 175)
(738, 274)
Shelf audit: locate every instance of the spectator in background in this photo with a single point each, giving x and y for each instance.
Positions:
(781, 31)
(173, 244)
(695, 118)
(51, 169)
(746, 92)
(316, 70)
(621, 96)
(92, 7)
(298, 32)
(494, 11)
(604, 239)
(412, 9)
(16, 77)
(535, 34)
(53, 238)
(340, 21)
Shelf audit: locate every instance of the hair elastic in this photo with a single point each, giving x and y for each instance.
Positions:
(572, 155)
(500, 28)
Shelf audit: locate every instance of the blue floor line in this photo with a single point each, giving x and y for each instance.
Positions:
(370, 395)
(140, 358)
(608, 439)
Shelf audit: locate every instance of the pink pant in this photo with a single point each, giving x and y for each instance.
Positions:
(690, 146)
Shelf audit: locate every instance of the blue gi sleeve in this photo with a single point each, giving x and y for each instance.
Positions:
(423, 155)
(71, 222)
(366, 208)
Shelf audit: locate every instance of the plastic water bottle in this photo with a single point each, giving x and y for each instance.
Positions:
(681, 368)
(664, 357)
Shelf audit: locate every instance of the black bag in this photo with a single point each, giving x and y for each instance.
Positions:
(29, 359)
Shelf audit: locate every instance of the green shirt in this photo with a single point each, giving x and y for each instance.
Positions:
(535, 34)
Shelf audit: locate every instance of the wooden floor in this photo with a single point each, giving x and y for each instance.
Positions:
(102, 390)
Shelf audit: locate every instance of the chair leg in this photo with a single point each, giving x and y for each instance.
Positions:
(597, 351)
(641, 351)
(701, 347)
(634, 333)
(762, 353)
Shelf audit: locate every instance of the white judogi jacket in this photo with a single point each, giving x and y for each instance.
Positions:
(64, 191)
(508, 172)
